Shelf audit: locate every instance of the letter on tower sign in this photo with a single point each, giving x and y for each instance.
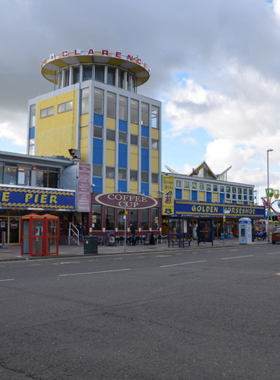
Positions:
(105, 52)
(77, 52)
(130, 57)
(118, 54)
(90, 52)
(139, 61)
(52, 57)
(65, 53)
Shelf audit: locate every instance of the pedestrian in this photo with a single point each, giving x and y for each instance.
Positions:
(132, 229)
(253, 233)
(81, 231)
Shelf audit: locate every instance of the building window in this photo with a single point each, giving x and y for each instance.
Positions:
(155, 177)
(245, 197)
(186, 185)
(145, 142)
(245, 191)
(134, 111)
(87, 72)
(233, 196)
(228, 189)
(120, 78)
(47, 112)
(144, 177)
(120, 220)
(222, 189)
(76, 72)
(111, 105)
(144, 219)
(31, 150)
(97, 132)
(123, 137)
(96, 217)
(215, 188)
(110, 172)
(46, 177)
(10, 174)
(111, 134)
(133, 139)
(134, 218)
(85, 100)
(24, 175)
(32, 121)
(122, 174)
(250, 192)
(145, 114)
(234, 190)
(155, 117)
(110, 218)
(201, 186)
(111, 76)
(155, 220)
(194, 185)
(99, 73)
(97, 170)
(208, 187)
(98, 101)
(178, 183)
(155, 144)
(123, 108)
(64, 107)
(228, 196)
(134, 175)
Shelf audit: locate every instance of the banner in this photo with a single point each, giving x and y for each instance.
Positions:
(168, 195)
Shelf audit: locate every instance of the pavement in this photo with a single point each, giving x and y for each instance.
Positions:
(13, 252)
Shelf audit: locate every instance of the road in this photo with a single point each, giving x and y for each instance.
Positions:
(193, 314)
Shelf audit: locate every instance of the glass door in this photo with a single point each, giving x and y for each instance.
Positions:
(14, 230)
(3, 230)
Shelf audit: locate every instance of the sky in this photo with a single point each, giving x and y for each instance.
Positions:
(215, 68)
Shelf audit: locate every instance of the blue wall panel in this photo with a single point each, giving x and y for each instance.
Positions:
(222, 198)
(178, 193)
(97, 189)
(194, 195)
(145, 159)
(122, 185)
(208, 197)
(122, 156)
(144, 188)
(98, 120)
(123, 126)
(31, 133)
(97, 152)
(144, 131)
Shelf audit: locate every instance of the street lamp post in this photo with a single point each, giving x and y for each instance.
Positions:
(267, 193)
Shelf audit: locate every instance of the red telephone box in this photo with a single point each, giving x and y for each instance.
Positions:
(39, 235)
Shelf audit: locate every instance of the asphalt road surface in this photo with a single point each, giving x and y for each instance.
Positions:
(183, 315)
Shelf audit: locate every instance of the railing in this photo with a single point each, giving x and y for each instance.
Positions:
(73, 230)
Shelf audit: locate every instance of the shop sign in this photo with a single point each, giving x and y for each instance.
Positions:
(14, 225)
(168, 195)
(213, 209)
(84, 187)
(92, 52)
(126, 200)
(28, 197)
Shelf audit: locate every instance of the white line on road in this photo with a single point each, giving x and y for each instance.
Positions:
(104, 271)
(189, 262)
(7, 279)
(272, 253)
(236, 257)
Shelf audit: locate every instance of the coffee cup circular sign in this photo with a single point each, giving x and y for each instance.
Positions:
(126, 200)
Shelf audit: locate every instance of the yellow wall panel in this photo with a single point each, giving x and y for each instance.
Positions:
(134, 129)
(133, 161)
(84, 154)
(134, 149)
(111, 145)
(155, 134)
(84, 120)
(56, 134)
(133, 187)
(215, 197)
(155, 165)
(110, 157)
(110, 185)
(187, 194)
(84, 132)
(239, 203)
(111, 123)
(155, 190)
(201, 196)
(228, 201)
(155, 153)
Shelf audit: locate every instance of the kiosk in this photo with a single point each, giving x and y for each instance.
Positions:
(245, 231)
(39, 235)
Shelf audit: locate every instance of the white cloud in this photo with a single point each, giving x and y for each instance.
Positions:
(14, 128)
(190, 141)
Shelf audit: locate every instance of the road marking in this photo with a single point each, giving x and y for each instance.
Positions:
(178, 254)
(163, 255)
(69, 262)
(34, 265)
(104, 271)
(92, 260)
(7, 279)
(118, 258)
(236, 257)
(231, 250)
(194, 253)
(273, 253)
(189, 262)
(55, 263)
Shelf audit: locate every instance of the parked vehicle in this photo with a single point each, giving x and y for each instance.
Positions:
(275, 236)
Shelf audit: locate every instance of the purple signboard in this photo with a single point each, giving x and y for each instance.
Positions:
(128, 200)
(84, 185)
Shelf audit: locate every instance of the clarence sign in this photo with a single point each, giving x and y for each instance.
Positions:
(126, 200)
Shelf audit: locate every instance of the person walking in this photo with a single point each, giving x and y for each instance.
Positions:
(81, 231)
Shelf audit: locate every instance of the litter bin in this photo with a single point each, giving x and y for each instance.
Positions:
(90, 245)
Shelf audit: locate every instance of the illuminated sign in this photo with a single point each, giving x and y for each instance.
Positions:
(168, 195)
(92, 52)
(215, 209)
(128, 200)
(28, 197)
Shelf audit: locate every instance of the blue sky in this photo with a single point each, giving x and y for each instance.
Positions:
(215, 67)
